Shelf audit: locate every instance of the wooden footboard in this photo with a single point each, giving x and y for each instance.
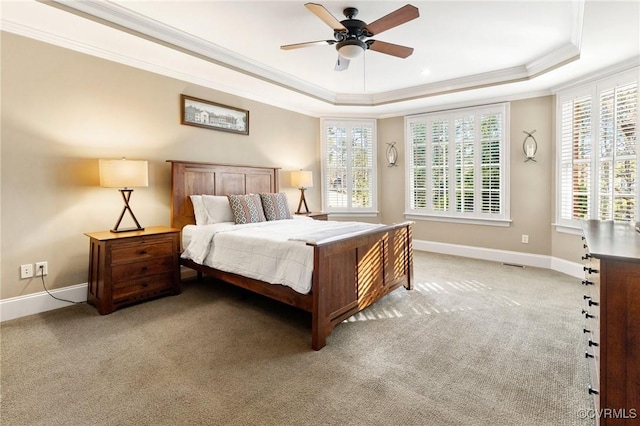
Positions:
(354, 272)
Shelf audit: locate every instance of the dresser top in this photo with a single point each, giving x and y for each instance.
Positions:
(608, 239)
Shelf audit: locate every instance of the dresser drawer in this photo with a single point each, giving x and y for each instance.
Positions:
(133, 270)
(142, 286)
(141, 250)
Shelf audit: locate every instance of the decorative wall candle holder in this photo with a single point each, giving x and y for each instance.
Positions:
(529, 146)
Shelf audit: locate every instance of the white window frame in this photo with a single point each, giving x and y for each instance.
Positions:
(503, 218)
(593, 91)
(349, 210)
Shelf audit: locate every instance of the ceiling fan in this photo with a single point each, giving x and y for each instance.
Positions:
(350, 34)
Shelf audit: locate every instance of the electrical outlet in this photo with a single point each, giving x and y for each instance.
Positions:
(525, 240)
(26, 271)
(42, 268)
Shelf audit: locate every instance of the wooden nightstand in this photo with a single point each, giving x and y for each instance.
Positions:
(131, 267)
(315, 216)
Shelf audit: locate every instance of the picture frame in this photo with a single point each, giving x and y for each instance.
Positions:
(211, 115)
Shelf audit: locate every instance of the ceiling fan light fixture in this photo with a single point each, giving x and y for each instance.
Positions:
(351, 49)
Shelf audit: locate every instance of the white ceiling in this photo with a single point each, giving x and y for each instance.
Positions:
(474, 51)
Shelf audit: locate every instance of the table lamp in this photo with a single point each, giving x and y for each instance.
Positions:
(303, 179)
(124, 174)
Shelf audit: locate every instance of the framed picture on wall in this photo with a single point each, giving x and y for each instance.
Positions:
(211, 115)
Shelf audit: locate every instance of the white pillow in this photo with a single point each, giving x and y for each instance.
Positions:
(217, 208)
(198, 210)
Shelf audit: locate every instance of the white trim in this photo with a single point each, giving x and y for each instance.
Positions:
(30, 304)
(35, 303)
(123, 19)
(469, 220)
(505, 256)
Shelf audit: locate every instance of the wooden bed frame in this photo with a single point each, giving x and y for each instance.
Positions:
(349, 274)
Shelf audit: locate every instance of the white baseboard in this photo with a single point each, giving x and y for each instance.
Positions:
(30, 304)
(512, 257)
(35, 303)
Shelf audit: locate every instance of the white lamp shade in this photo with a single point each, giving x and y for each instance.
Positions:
(123, 173)
(302, 178)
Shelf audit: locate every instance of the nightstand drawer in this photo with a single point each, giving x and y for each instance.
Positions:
(131, 270)
(135, 252)
(142, 286)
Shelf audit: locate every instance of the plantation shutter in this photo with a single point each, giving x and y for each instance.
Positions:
(335, 169)
(440, 166)
(618, 154)
(418, 162)
(465, 164)
(362, 176)
(349, 165)
(456, 164)
(598, 152)
(491, 162)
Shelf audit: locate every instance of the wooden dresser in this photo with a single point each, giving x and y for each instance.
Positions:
(130, 267)
(612, 320)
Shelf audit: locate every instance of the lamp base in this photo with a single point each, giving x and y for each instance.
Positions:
(116, 231)
(126, 196)
(302, 201)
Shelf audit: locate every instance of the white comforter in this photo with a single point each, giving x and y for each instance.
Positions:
(274, 251)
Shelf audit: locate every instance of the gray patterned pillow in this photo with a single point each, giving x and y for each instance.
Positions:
(275, 205)
(246, 208)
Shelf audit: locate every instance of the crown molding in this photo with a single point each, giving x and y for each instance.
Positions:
(123, 19)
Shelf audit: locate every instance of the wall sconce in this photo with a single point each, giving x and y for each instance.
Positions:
(529, 146)
(124, 174)
(302, 179)
(392, 154)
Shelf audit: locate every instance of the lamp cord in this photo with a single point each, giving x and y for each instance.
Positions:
(57, 298)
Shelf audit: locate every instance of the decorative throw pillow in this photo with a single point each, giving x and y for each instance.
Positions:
(246, 208)
(275, 205)
(217, 208)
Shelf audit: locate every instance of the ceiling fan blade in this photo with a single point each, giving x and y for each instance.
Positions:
(390, 48)
(342, 64)
(322, 13)
(404, 14)
(307, 44)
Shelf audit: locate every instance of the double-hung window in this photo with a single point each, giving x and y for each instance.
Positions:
(349, 166)
(597, 151)
(457, 165)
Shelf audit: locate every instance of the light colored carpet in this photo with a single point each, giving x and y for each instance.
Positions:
(476, 343)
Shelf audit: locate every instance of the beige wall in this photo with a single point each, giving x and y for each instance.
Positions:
(63, 110)
(531, 185)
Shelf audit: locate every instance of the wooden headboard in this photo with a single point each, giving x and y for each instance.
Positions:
(195, 178)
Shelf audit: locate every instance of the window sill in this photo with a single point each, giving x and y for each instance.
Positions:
(467, 220)
(351, 214)
(566, 229)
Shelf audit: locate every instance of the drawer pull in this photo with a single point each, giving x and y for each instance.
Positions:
(588, 355)
(585, 297)
(590, 270)
(142, 252)
(145, 284)
(587, 315)
(585, 246)
(586, 330)
(592, 343)
(592, 303)
(592, 391)
(586, 256)
(144, 269)
(587, 282)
